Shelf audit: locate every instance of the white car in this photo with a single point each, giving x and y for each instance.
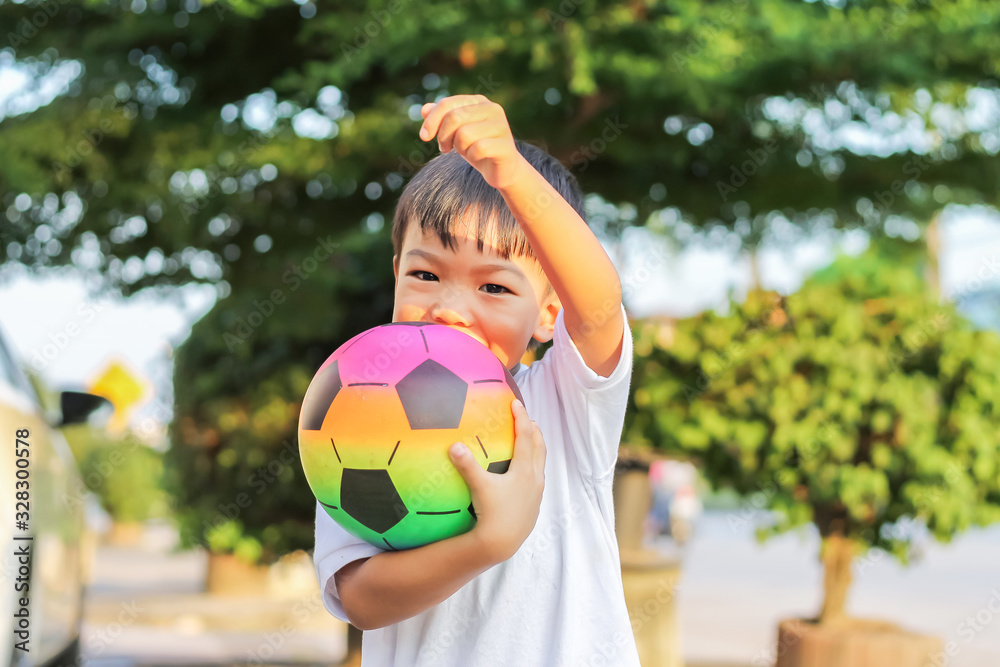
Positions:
(44, 558)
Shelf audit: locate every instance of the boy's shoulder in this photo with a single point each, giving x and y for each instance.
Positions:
(568, 365)
(563, 366)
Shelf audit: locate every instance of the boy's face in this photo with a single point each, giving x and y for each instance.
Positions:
(498, 302)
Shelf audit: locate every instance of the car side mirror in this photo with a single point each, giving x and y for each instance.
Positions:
(77, 406)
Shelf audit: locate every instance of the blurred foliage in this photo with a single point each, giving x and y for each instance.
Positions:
(179, 151)
(238, 385)
(228, 537)
(859, 403)
(132, 491)
(150, 155)
(125, 474)
(84, 439)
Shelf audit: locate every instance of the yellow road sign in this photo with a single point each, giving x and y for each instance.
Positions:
(125, 388)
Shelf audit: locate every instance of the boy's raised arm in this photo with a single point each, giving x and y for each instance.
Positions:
(581, 273)
(574, 261)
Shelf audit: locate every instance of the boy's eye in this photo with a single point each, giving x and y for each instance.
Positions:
(427, 276)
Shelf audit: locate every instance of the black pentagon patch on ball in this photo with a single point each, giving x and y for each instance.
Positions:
(432, 396)
(370, 497)
(322, 390)
(499, 467)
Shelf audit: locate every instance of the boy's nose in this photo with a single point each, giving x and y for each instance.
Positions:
(448, 316)
(453, 320)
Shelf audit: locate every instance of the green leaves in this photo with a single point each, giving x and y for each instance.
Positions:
(227, 537)
(872, 404)
(714, 69)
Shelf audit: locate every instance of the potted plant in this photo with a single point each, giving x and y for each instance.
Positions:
(233, 561)
(860, 404)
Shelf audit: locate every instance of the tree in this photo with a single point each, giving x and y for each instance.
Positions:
(239, 143)
(858, 404)
(184, 135)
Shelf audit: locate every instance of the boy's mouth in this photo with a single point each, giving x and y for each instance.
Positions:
(470, 335)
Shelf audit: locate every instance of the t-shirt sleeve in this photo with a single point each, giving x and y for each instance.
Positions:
(594, 405)
(334, 549)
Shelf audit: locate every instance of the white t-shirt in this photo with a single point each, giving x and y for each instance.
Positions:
(559, 599)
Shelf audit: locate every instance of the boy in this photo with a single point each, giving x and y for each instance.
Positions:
(490, 239)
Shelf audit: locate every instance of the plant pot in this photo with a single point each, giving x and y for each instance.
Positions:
(228, 575)
(354, 637)
(633, 499)
(853, 643)
(649, 578)
(125, 533)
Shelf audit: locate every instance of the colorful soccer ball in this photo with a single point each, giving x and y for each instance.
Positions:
(378, 418)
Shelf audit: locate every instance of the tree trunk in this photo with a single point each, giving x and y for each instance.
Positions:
(837, 640)
(837, 553)
(933, 235)
(754, 270)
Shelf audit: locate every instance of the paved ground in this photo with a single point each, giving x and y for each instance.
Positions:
(733, 592)
(146, 606)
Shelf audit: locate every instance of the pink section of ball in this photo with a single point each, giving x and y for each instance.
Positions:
(387, 353)
(339, 351)
(468, 358)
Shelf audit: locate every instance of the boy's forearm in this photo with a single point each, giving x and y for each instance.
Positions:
(396, 585)
(574, 261)
(572, 257)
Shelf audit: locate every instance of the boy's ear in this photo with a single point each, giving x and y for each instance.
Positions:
(547, 319)
(395, 267)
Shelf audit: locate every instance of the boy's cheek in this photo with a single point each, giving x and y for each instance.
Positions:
(407, 313)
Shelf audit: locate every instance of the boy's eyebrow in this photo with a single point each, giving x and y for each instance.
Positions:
(431, 257)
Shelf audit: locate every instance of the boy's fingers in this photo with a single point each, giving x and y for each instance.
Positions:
(522, 423)
(479, 140)
(433, 119)
(466, 464)
(475, 118)
(523, 440)
(539, 450)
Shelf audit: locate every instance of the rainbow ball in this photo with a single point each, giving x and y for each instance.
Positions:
(377, 421)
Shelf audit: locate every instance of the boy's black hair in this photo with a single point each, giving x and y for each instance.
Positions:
(441, 192)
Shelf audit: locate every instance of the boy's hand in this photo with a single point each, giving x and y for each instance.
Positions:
(506, 505)
(478, 130)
